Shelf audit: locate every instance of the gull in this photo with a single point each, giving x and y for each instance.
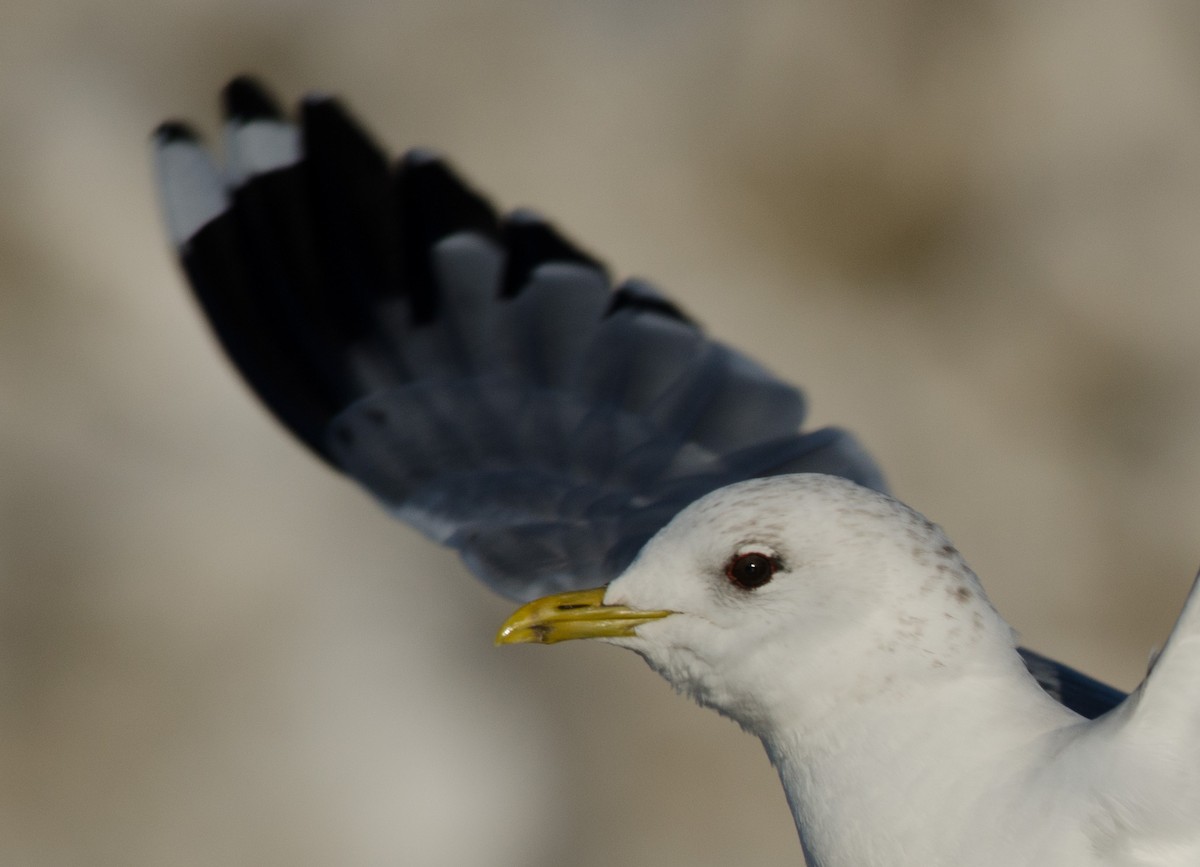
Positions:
(590, 452)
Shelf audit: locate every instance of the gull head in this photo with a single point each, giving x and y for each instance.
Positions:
(784, 597)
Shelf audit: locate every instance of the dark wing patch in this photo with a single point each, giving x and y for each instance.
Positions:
(1086, 696)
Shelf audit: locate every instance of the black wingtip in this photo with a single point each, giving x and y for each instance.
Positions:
(173, 131)
(436, 201)
(246, 100)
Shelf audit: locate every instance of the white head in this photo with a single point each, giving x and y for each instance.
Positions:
(793, 594)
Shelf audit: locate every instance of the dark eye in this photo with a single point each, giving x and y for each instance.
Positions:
(750, 570)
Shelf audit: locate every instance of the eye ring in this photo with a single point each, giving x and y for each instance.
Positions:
(751, 569)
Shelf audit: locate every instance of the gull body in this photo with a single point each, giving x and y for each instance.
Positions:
(485, 380)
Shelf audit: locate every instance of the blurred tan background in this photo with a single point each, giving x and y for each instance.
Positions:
(968, 228)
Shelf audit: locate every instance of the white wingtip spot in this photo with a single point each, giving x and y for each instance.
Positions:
(259, 146)
(189, 186)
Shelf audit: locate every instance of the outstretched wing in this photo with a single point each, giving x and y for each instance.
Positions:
(481, 376)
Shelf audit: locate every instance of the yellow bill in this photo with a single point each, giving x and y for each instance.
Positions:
(566, 616)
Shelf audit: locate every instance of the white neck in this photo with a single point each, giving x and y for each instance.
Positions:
(865, 782)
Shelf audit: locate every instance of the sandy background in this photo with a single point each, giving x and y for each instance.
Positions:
(969, 229)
